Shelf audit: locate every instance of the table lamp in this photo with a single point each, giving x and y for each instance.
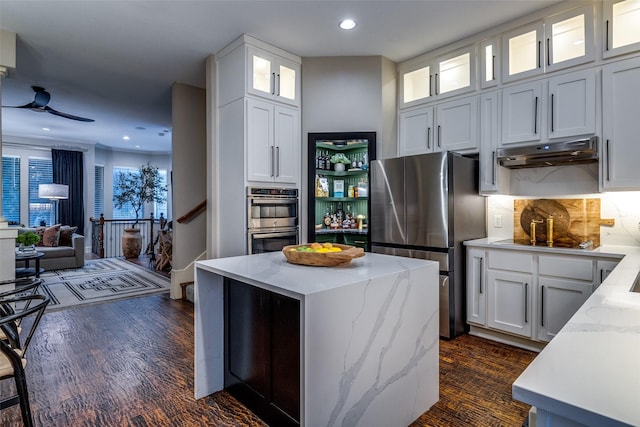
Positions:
(54, 192)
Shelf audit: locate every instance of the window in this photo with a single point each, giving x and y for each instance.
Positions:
(11, 188)
(40, 210)
(98, 201)
(161, 208)
(126, 211)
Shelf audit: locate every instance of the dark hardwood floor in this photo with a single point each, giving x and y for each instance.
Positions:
(130, 363)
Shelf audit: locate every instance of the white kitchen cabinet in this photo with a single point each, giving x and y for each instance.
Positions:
(494, 179)
(273, 76)
(447, 126)
(521, 113)
(620, 125)
(572, 104)
(431, 78)
(560, 41)
(621, 29)
(564, 284)
(476, 287)
(559, 299)
(603, 268)
(568, 103)
(273, 143)
(489, 60)
(509, 306)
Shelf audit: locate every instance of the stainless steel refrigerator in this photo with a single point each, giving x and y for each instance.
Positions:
(425, 206)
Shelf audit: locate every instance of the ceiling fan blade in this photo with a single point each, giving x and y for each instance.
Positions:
(29, 105)
(67, 116)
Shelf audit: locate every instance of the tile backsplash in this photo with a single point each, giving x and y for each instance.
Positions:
(622, 207)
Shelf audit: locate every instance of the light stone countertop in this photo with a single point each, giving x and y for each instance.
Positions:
(590, 371)
(271, 271)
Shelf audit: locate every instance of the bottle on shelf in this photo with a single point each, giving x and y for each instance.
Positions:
(327, 218)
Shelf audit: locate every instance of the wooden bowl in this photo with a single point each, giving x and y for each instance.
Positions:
(328, 259)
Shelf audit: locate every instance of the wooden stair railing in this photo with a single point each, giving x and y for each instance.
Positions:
(200, 207)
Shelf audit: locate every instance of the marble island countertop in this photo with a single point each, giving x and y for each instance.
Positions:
(271, 271)
(590, 371)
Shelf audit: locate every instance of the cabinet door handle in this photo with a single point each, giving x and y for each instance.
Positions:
(480, 274)
(430, 85)
(608, 164)
(493, 164)
(606, 35)
(542, 306)
(439, 137)
(493, 67)
(277, 160)
(273, 169)
(552, 101)
(277, 88)
(273, 83)
(437, 88)
(526, 302)
(535, 117)
(429, 137)
(539, 53)
(548, 53)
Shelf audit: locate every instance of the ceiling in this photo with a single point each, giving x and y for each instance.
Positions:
(115, 61)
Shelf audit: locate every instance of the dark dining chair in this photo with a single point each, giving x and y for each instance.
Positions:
(14, 346)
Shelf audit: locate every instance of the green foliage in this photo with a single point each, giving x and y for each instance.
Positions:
(28, 238)
(340, 158)
(139, 187)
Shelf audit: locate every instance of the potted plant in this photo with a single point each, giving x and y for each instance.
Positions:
(27, 241)
(137, 188)
(339, 160)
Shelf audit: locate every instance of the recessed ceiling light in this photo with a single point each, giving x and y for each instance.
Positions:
(137, 146)
(126, 138)
(348, 24)
(46, 129)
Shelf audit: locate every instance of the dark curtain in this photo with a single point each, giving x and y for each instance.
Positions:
(68, 169)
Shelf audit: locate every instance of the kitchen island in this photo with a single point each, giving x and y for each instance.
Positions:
(367, 344)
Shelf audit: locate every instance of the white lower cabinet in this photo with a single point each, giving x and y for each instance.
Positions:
(558, 300)
(527, 294)
(509, 305)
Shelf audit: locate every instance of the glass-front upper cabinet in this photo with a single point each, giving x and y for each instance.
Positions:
(489, 63)
(522, 52)
(622, 27)
(437, 77)
(570, 38)
(561, 41)
(273, 77)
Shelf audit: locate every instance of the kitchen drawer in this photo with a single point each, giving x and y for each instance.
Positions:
(358, 240)
(511, 261)
(571, 268)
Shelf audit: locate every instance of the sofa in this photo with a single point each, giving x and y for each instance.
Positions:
(67, 251)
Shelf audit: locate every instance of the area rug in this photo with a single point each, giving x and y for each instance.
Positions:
(99, 281)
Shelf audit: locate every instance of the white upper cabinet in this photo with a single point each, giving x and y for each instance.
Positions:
(432, 78)
(621, 27)
(447, 126)
(521, 113)
(620, 125)
(489, 63)
(494, 179)
(273, 77)
(572, 104)
(522, 52)
(561, 41)
(569, 38)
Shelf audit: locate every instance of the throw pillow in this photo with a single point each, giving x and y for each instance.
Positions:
(40, 232)
(66, 232)
(51, 236)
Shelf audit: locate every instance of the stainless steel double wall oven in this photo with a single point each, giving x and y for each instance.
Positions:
(272, 218)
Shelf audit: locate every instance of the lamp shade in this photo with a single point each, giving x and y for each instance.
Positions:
(53, 191)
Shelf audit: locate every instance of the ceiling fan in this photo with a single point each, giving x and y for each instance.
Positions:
(39, 104)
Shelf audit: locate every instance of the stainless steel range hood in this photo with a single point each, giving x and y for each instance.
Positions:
(551, 154)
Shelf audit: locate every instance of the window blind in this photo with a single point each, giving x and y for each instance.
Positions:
(98, 202)
(40, 210)
(11, 188)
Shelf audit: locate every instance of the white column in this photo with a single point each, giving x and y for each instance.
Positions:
(7, 235)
